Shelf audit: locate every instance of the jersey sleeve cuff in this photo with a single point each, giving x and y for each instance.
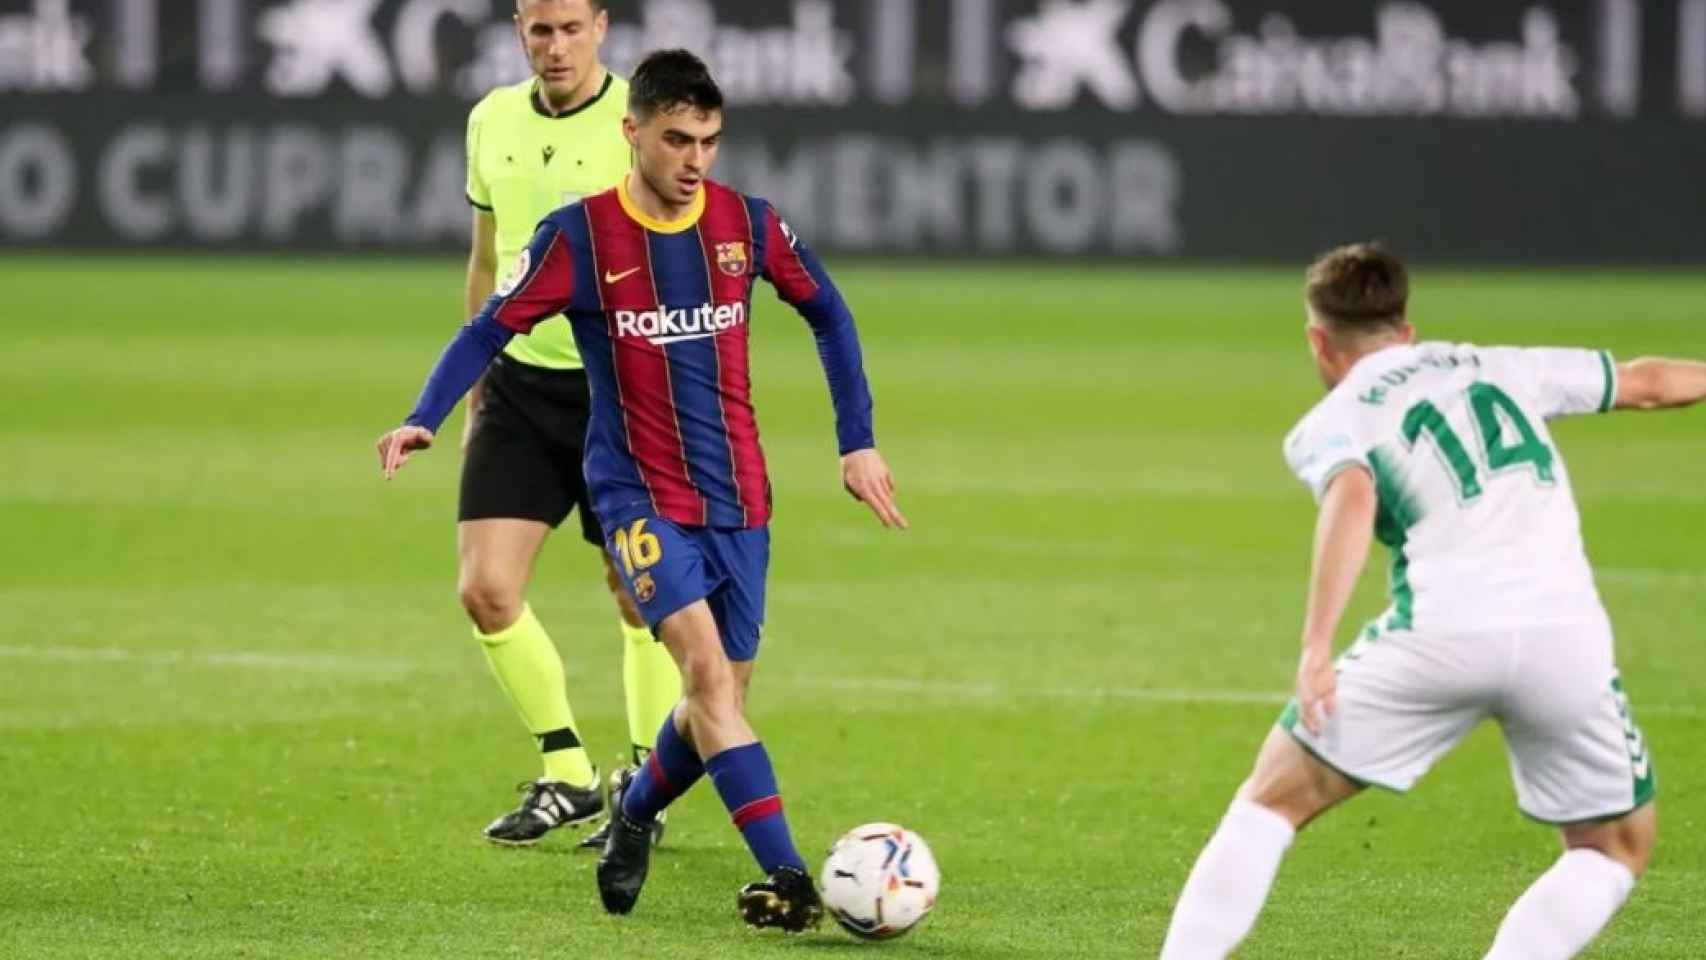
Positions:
(477, 204)
(1606, 402)
(1333, 472)
(856, 444)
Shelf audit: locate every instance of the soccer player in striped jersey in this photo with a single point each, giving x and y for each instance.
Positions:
(1441, 451)
(656, 278)
(533, 147)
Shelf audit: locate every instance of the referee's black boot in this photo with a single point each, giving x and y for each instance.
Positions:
(547, 805)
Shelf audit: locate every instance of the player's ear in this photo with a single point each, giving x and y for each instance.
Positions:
(600, 25)
(631, 130)
(1406, 332)
(1320, 341)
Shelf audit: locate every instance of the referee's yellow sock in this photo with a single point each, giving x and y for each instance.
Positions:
(527, 666)
(652, 684)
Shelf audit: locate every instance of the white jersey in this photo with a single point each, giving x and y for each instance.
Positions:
(1475, 501)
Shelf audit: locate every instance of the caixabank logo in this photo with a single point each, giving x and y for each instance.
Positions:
(796, 55)
(1553, 59)
(1211, 57)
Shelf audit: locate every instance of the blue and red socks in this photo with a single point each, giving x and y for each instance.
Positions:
(747, 783)
(670, 769)
(743, 778)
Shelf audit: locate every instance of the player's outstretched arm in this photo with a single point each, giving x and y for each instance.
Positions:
(1344, 531)
(800, 279)
(462, 363)
(540, 286)
(1655, 383)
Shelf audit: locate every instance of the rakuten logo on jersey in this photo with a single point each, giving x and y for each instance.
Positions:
(668, 325)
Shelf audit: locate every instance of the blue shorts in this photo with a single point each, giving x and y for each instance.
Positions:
(667, 567)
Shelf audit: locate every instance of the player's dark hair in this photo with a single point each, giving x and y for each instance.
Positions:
(667, 80)
(1358, 287)
(598, 6)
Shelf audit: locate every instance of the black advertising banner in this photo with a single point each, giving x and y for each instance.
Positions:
(1262, 129)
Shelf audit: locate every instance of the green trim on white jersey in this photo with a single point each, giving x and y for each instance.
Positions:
(1610, 381)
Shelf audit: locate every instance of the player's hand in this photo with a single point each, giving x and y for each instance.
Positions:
(396, 446)
(868, 480)
(1317, 687)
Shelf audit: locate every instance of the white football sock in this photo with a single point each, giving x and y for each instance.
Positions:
(1565, 909)
(1229, 883)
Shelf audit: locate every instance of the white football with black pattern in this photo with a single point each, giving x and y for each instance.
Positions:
(880, 880)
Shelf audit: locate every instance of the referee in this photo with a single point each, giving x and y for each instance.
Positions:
(534, 147)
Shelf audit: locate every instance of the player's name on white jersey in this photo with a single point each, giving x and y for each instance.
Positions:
(1402, 374)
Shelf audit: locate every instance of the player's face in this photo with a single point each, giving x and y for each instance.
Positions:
(562, 38)
(674, 150)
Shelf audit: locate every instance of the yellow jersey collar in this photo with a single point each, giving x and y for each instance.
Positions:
(683, 223)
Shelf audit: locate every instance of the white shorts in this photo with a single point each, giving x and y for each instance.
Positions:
(1405, 699)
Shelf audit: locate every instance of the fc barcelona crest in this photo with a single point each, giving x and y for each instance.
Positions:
(731, 258)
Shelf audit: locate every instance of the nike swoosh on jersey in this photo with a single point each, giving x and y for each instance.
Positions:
(677, 338)
(617, 277)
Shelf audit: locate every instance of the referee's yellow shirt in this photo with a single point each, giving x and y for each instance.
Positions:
(524, 163)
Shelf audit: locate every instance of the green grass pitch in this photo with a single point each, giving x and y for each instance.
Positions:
(241, 714)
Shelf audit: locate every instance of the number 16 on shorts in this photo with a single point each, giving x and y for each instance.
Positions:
(637, 549)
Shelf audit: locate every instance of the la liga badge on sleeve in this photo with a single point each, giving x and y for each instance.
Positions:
(516, 273)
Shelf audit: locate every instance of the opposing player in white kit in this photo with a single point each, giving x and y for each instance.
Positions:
(1441, 451)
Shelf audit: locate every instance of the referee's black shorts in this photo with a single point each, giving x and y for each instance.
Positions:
(524, 459)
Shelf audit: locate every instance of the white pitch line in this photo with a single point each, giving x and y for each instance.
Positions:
(973, 689)
(1651, 578)
(987, 690)
(332, 662)
(953, 688)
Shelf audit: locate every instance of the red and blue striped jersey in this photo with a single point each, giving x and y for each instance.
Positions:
(660, 315)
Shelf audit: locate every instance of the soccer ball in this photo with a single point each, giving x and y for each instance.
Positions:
(879, 881)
